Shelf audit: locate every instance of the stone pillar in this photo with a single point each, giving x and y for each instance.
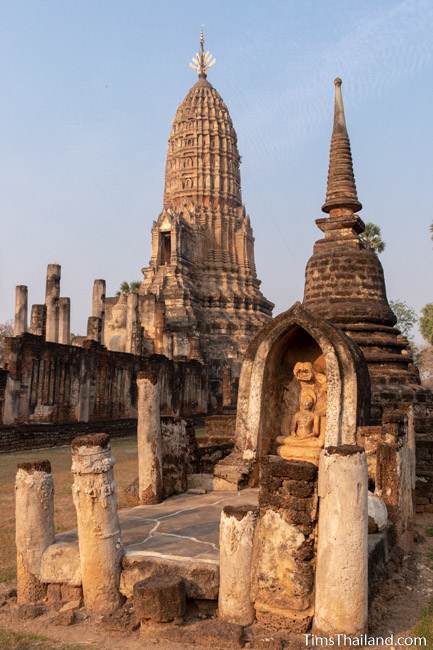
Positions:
(52, 295)
(150, 480)
(342, 548)
(65, 321)
(34, 517)
(94, 328)
(20, 324)
(98, 305)
(236, 536)
(94, 493)
(98, 297)
(131, 321)
(37, 320)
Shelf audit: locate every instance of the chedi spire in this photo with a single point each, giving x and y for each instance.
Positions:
(202, 61)
(341, 189)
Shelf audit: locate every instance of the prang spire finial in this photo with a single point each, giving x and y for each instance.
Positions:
(202, 61)
(341, 190)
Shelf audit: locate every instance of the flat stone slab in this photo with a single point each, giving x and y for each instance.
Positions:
(182, 526)
(176, 537)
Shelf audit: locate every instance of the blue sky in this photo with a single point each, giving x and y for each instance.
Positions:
(89, 90)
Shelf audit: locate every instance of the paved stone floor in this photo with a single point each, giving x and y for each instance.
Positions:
(185, 526)
(182, 526)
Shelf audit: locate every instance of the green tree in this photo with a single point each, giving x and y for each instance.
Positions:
(426, 322)
(406, 316)
(372, 238)
(128, 287)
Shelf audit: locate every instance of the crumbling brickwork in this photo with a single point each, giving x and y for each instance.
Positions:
(52, 383)
(284, 547)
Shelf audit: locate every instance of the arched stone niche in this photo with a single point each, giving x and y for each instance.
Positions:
(269, 393)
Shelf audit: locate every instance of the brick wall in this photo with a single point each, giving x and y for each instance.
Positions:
(53, 383)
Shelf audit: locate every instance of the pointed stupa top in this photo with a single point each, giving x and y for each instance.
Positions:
(341, 189)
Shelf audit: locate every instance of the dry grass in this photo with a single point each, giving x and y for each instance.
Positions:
(125, 452)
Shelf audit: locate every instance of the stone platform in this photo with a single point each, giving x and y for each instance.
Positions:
(178, 536)
(185, 526)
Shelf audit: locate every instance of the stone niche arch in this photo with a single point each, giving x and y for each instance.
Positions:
(299, 336)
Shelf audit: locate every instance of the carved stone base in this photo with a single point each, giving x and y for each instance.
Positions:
(300, 449)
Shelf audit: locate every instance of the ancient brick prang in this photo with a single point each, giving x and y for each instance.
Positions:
(200, 297)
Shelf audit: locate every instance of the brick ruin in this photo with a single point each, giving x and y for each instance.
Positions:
(50, 389)
(330, 411)
(200, 296)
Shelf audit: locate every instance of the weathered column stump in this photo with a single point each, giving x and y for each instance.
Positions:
(160, 599)
(65, 321)
(342, 546)
(94, 492)
(236, 536)
(52, 295)
(149, 441)
(20, 323)
(34, 499)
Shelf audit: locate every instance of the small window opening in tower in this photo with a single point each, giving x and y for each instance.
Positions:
(165, 248)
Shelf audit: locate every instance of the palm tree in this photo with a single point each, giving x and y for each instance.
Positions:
(128, 287)
(372, 238)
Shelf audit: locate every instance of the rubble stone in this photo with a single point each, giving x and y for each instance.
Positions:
(160, 599)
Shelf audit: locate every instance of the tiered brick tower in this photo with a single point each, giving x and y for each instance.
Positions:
(200, 295)
(344, 283)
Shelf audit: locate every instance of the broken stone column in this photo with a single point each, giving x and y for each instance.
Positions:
(20, 323)
(94, 493)
(94, 328)
(65, 321)
(131, 321)
(34, 517)
(150, 480)
(37, 320)
(98, 305)
(98, 298)
(342, 550)
(52, 295)
(237, 526)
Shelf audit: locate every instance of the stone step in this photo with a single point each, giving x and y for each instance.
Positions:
(231, 473)
(201, 577)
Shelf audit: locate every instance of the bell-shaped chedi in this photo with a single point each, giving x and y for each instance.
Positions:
(344, 280)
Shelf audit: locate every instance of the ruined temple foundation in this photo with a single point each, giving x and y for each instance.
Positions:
(311, 391)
